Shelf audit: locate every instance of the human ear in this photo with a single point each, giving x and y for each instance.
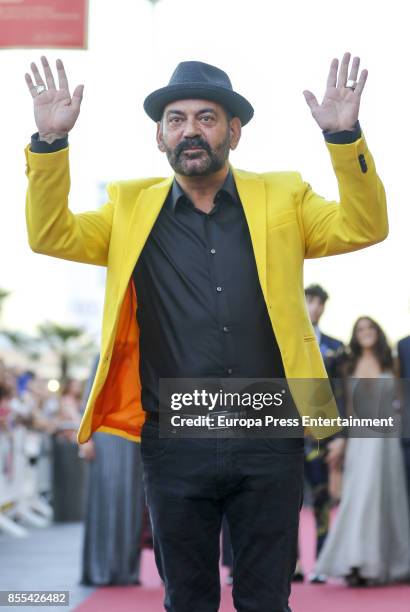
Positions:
(235, 128)
(160, 141)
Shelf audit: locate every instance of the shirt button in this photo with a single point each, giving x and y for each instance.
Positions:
(229, 370)
(219, 289)
(212, 251)
(226, 329)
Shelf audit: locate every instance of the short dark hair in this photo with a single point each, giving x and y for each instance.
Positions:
(317, 291)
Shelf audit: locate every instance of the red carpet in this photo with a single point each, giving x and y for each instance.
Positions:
(332, 597)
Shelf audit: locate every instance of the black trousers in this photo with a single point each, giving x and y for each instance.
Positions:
(190, 484)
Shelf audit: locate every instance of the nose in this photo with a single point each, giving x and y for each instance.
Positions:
(191, 128)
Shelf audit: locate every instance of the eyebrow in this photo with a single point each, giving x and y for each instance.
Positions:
(181, 113)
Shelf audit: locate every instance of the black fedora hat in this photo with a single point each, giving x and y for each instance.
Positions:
(200, 81)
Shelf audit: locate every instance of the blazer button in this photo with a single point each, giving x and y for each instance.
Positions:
(362, 162)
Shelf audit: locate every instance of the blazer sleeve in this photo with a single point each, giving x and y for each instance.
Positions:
(51, 226)
(359, 219)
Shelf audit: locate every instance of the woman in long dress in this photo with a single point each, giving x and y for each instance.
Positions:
(115, 505)
(114, 512)
(369, 542)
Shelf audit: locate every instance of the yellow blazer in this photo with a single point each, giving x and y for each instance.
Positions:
(288, 222)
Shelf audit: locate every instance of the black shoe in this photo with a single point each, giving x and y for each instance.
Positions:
(354, 579)
(298, 576)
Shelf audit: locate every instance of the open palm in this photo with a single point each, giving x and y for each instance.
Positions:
(339, 109)
(55, 110)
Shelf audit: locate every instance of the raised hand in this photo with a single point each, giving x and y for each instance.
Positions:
(340, 106)
(55, 111)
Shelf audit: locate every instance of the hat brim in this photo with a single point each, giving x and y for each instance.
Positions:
(239, 106)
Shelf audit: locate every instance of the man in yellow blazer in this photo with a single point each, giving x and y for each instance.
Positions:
(205, 279)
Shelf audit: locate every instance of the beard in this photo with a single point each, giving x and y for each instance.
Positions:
(203, 162)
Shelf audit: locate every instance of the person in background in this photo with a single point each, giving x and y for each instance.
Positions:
(70, 404)
(317, 461)
(369, 542)
(5, 397)
(114, 509)
(23, 381)
(333, 354)
(68, 469)
(403, 351)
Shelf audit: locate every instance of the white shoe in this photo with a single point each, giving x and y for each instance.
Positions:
(317, 578)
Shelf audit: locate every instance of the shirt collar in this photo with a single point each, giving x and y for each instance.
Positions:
(177, 192)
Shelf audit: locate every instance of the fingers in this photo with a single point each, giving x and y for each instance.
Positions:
(51, 85)
(77, 97)
(62, 77)
(344, 67)
(354, 71)
(332, 77)
(37, 76)
(311, 100)
(30, 85)
(361, 83)
(48, 74)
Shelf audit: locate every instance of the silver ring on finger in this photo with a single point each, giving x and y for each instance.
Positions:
(40, 89)
(351, 84)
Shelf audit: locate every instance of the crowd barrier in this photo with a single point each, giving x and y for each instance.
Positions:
(25, 480)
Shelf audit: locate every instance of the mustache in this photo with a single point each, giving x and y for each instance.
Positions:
(192, 142)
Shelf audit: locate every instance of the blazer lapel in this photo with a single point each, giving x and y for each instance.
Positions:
(252, 193)
(143, 217)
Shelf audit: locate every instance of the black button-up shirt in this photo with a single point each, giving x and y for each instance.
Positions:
(201, 310)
